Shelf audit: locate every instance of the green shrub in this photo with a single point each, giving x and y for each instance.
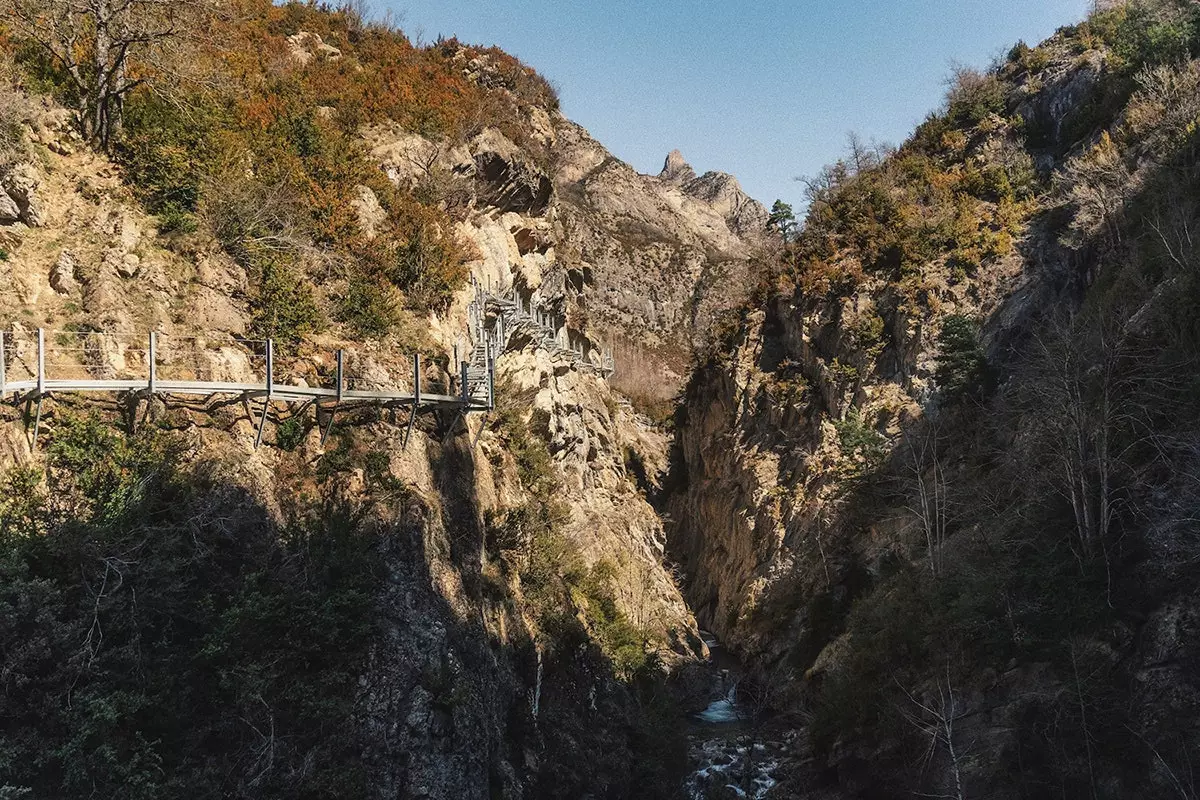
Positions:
(1029, 59)
(109, 471)
(176, 220)
(974, 97)
(166, 152)
(622, 642)
(866, 333)
(283, 304)
(154, 623)
(290, 434)
(371, 308)
(1141, 32)
(860, 443)
(961, 365)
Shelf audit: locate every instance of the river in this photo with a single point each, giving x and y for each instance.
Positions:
(732, 754)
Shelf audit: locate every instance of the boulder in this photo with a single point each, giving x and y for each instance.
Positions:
(129, 265)
(62, 274)
(10, 212)
(21, 184)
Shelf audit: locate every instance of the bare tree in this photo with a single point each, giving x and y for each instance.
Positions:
(249, 216)
(1097, 183)
(95, 43)
(926, 494)
(1077, 415)
(936, 719)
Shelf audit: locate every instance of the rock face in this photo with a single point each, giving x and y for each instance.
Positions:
(637, 262)
(654, 259)
(511, 182)
(676, 170)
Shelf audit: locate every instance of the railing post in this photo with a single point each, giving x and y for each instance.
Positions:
(41, 362)
(270, 366)
(465, 388)
(491, 384)
(339, 375)
(416, 380)
(152, 356)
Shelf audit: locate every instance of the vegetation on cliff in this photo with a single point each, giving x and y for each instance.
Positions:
(161, 636)
(242, 121)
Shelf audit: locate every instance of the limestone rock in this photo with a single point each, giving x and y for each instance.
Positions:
(129, 265)
(511, 182)
(9, 211)
(21, 184)
(408, 158)
(12, 236)
(305, 47)
(656, 258)
(724, 194)
(371, 215)
(62, 274)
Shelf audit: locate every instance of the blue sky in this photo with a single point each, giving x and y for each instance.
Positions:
(767, 90)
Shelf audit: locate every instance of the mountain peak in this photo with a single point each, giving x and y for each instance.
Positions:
(676, 169)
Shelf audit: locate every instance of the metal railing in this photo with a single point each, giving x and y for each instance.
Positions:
(37, 364)
(511, 312)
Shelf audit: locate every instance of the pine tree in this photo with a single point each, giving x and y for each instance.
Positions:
(782, 220)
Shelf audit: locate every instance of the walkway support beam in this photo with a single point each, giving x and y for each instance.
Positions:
(339, 388)
(152, 356)
(412, 417)
(262, 421)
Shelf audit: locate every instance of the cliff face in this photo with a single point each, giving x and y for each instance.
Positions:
(898, 497)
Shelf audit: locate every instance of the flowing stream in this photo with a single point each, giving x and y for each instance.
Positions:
(729, 754)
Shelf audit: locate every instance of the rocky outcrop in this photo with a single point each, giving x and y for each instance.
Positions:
(509, 180)
(655, 262)
(744, 215)
(62, 274)
(676, 170)
(305, 47)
